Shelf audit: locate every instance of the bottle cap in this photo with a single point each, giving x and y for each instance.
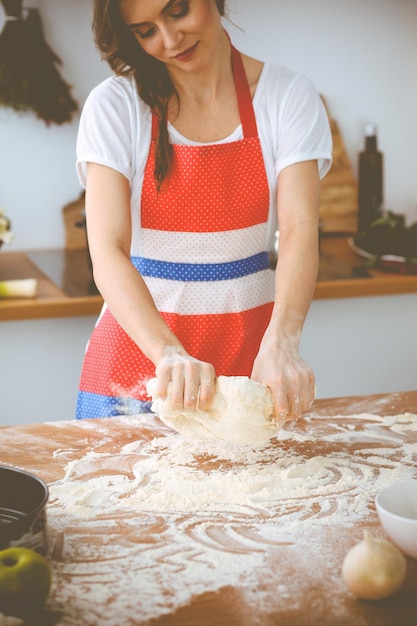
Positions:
(370, 130)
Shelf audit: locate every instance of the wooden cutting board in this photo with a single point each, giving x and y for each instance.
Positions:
(339, 190)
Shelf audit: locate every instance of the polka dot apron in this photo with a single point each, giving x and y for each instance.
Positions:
(204, 261)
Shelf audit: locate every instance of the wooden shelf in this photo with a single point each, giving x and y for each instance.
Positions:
(50, 301)
(340, 277)
(377, 284)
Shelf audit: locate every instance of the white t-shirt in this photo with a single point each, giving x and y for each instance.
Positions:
(115, 131)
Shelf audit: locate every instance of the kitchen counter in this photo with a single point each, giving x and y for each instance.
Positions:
(52, 299)
(342, 275)
(147, 528)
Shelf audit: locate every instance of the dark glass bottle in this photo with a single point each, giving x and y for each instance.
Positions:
(370, 191)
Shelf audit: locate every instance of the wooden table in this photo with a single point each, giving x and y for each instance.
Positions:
(118, 560)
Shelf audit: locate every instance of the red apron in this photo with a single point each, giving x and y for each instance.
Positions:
(203, 258)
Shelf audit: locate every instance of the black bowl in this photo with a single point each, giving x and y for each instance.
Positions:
(23, 499)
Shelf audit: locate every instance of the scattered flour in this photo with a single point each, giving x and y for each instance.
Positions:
(174, 518)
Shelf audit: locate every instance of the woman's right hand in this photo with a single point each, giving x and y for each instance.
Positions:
(192, 381)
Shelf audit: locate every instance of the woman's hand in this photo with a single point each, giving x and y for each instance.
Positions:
(192, 381)
(290, 379)
(278, 364)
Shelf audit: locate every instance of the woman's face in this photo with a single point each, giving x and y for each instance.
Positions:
(180, 33)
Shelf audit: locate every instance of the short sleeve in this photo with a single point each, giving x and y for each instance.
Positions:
(303, 128)
(105, 132)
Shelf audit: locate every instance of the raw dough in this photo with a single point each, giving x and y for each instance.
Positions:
(242, 412)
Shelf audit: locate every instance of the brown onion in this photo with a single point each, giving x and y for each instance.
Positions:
(374, 568)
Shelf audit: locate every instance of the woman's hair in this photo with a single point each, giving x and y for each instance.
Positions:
(121, 50)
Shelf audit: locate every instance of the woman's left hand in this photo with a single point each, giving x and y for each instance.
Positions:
(278, 364)
(290, 379)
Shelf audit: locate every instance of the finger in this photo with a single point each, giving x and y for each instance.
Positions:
(207, 388)
(281, 406)
(163, 377)
(177, 390)
(191, 385)
(307, 392)
(295, 402)
(296, 393)
(313, 392)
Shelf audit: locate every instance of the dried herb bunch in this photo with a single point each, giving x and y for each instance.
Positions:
(29, 77)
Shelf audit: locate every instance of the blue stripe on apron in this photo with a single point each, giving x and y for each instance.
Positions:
(96, 405)
(188, 272)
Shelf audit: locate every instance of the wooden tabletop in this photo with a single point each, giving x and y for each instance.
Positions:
(341, 276)
(147, 528)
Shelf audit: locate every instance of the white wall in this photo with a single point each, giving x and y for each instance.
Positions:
(37, 172)
(361, 54)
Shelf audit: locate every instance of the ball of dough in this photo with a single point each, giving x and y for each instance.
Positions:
(241, 412)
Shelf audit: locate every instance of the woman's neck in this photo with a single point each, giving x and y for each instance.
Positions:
(203, 87)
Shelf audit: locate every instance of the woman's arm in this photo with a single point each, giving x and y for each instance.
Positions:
(278, 364)
(126, 293)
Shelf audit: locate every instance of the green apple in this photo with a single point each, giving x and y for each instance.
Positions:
(25, 581)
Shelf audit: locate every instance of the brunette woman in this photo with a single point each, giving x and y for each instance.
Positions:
(191, 154)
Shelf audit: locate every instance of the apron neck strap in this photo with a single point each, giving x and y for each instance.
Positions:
(244, 99)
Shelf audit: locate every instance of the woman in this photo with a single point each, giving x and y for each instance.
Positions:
(189, 155)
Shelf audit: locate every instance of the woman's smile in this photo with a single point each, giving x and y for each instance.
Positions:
(187, 54)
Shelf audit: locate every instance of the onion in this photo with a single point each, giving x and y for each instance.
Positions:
(374, 568)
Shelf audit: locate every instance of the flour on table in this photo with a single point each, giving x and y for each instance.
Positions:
(173, 474)
(242, 412)
(162, 519)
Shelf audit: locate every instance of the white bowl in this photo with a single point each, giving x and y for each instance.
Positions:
(397, 510)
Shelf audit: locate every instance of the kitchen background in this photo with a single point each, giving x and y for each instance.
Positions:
(362, 56)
